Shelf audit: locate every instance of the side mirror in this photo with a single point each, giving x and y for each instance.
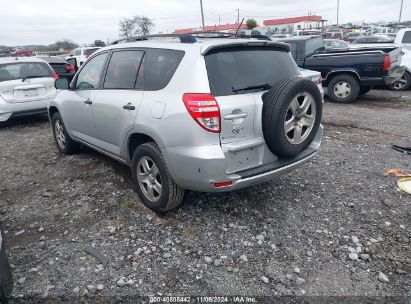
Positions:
(61, 84)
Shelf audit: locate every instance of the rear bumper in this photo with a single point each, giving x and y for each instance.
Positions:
(395, 75)
(197, 168)
(8, 110)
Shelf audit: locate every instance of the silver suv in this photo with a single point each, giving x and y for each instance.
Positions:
(207, 115)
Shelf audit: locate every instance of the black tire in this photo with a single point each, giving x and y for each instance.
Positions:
(364, 90)
(406, 78)
(6, 277)
(276, 109)
(70, 146)
(171, 194)
(343, 79)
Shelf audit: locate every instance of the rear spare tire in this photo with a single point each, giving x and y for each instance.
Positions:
(291, 116)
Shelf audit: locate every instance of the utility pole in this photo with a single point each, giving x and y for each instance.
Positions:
(399, 20)
(202, 14)
(338, 12)
(219, 20)
(238, 16)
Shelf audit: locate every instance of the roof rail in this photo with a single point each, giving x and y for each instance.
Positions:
(184, 38)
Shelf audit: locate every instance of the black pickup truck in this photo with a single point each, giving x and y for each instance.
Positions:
(347, 73)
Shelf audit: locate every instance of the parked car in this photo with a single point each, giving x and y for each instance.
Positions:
(280, 36)
(334, 35)
(315, 77)
(21, 52)
(403, 40)
(60, 66)
(78, 56)
(335, 44)
(4, 52)
(26, 86)
(374, 39)
(347, 73)
(352, 36)
(189, 115)
(6, 277)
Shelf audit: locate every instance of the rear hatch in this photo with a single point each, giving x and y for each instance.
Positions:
(26, 82)
(238, 77)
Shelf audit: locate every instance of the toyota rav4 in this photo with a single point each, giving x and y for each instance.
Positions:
(207, 115)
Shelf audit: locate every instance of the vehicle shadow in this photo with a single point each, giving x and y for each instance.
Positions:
(24, 121)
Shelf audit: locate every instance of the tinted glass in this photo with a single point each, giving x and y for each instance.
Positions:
(407, 37)
(293, 49)
(21, 70)
(89, 51)
(159, 66)
(236, 68)
(77, 52)
(122, 70)
(313, 46)
(89, 76)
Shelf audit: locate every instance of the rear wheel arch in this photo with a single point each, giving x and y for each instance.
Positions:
(135, 140)
(332, 75)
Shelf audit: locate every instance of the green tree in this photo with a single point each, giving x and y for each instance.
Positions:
(251, 23)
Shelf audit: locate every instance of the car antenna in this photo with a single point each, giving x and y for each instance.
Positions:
(241, 23)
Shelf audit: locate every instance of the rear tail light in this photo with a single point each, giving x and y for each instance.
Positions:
(55, 76)
(223, 184)
(204, 109)
(387, 63)
(87, 56)
(70, 68)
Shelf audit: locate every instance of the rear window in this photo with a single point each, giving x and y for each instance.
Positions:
(159, 66)
(89, 51)
(20, 70)
(313, 46)
(233, 68)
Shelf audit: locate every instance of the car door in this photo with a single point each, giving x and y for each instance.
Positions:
(116, 104)
(77, 108)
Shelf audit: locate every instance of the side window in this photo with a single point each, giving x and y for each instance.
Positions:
(159, 67)
(293, 49)
(77, 52)
(407, 37)
(89, 76)
(123, 69)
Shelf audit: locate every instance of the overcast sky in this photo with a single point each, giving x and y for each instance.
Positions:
(45, 21)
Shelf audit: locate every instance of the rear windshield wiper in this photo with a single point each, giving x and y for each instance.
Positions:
(34, 76)
(264, 86)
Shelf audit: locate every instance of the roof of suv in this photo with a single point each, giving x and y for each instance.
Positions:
(19, 59)
(203, 45)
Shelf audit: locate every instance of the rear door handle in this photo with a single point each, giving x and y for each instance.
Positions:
(88, 101)
(235, 116)
(129, 106)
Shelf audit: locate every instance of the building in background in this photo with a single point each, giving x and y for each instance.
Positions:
(291, 25)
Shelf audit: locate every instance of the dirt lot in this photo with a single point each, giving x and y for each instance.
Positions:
(292, 236)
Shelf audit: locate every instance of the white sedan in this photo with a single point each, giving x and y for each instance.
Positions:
(26, 86)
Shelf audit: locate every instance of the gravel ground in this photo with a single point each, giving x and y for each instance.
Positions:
(335, 227)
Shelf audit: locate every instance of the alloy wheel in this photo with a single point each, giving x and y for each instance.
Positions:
(149, 178)
(342, 89)
(300, 118)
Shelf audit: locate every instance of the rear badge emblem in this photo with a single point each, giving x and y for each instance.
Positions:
(238, 130)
